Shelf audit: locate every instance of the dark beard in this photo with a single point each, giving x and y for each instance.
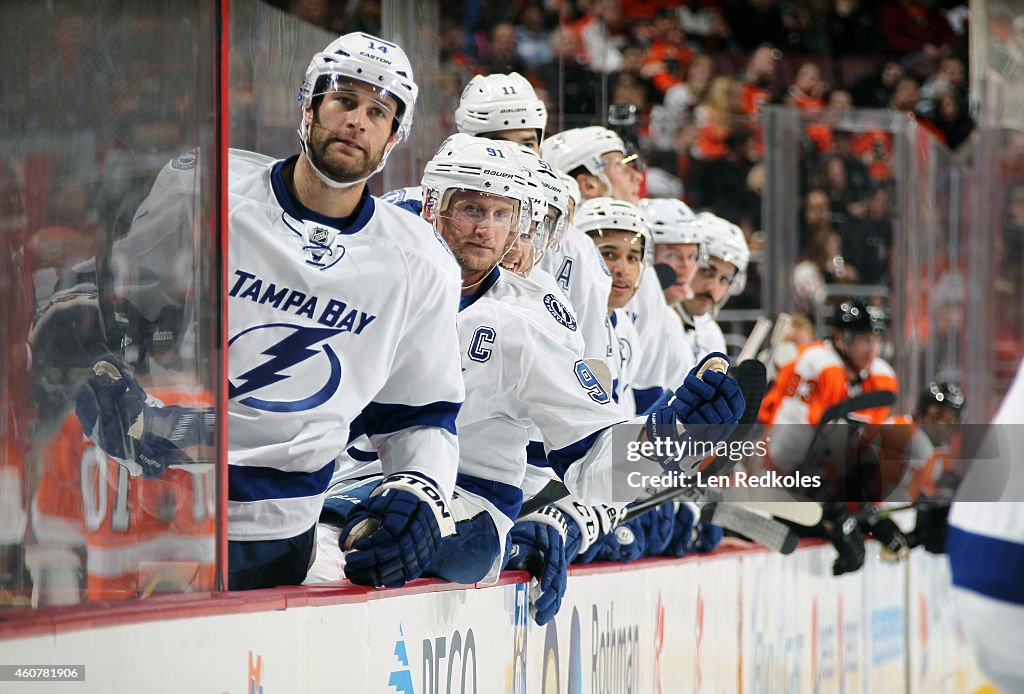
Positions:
(337, 173)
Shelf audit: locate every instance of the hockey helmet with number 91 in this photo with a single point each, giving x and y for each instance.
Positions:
(493, 103)
(379, 64)
(468, 163)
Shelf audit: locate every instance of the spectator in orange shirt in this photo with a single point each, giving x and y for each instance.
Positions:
(759, 78)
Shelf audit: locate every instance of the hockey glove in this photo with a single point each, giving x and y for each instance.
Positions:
(883, 529)
(932, 525)
(657, 526)
(845, 535)
(538, 546)
(146, 437)
(692, 530)
(625, 543)
(704, 409)
(392, 537)
(586, 524)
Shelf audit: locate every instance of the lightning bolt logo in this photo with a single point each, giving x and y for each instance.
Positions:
(293, 349)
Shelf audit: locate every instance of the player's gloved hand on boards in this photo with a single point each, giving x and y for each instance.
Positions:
(537, 545)
(932, 525)
(884, 529)
(692, 530)
(392, 536)
(845, 535)
(146, 436)
(658, 526)
(586, 524)
(705, 408)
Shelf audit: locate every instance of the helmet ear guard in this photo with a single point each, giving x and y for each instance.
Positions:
(583, 147)
(726, 241)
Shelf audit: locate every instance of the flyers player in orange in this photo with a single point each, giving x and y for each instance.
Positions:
(824, 374)
(107, 530)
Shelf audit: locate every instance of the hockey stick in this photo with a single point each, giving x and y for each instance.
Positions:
(555, 490)
(760, 528)
(750, 377)
(755, 339)
(842, 410)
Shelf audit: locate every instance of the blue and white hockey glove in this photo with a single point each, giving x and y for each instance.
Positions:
(705, 408)
(144, 435)
(690, 533)
(537, 545)
(657, 526)
(625, 543)
(393, 536)
(586, 525)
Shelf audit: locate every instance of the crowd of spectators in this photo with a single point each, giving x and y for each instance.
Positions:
(698, 72)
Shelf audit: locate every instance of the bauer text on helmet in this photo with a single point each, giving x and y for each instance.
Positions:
(476, 194)
(502, 107)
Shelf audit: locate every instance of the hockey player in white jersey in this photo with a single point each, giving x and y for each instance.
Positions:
(516, 345)
(723, 273)
(986, 547)
(679, 243)
(597, 159)
(338, 306)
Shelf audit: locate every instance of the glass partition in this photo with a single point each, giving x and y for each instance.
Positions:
(99, 99)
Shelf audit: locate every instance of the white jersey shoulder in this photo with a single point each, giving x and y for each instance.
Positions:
(580, 272)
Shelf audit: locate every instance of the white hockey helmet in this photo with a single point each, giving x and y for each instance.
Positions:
(464, 162)
(671, 221)
(556, 198)
(492, 103)
(583, 147)
(368, 59)
(597, 216)
(572, 189)
(726, 241)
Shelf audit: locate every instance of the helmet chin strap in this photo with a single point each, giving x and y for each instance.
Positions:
(303, 132)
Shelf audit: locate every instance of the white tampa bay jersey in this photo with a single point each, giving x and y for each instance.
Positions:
(703, 333)
(628, 354)
(986, 548)
(647, 310)
(677, 350)
(580, 272)
(409, 199)
(329, 319)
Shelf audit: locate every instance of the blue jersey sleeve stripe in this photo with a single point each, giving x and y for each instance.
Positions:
(386, 418)
(505, 497)
(987, 565)
(535, 454)
(561, 459)
(262, 483)
(362, 456)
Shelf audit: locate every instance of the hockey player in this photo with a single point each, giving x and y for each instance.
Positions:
(502, 107)
(824, 374)
(597, 158)
(516, 341)
(333, 302)
(986, 548)
(722, 274)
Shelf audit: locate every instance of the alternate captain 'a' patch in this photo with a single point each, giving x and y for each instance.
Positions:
(562, 314)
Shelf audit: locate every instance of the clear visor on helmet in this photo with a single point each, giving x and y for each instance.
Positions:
(556, 222)
(528, 249)
(472, 208)
(377, 101)
(674, 255)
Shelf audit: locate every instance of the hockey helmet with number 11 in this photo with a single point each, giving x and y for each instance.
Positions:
(493, 103)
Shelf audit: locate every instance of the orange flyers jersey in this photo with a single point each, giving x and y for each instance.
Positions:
(908, 460)
(136, 532)
(806, 387)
